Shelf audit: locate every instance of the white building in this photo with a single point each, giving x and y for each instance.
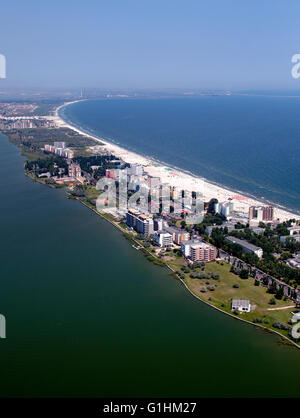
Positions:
(186, 246)
(230, 227)
(163, 239)
(158, 224)
(224, 208)
(60, 144)
(294, 230)
(144, 224)
(241, 305)
(203, 252)
(140, 222)
(246, 246)
(178, 235)
(257, 230)
(217, 207)
(61, 151)
(286, 238)
(294, 262)
(136, 169)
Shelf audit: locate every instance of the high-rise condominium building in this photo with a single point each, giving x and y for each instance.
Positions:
(261, 213)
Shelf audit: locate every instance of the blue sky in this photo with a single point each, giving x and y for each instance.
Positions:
(227, 44)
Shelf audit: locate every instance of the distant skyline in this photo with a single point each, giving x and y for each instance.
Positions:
(132, 44)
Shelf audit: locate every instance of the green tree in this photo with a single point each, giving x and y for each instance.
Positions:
(272, 301)
(279, 293)
(244, 274)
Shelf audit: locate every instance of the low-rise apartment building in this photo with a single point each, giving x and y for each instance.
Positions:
(287, 238)
(198, 251)
(163, 239)
(186, 246)
(178, 235)
(62, 152)
(203, 252)
(230, 227)
(247, 247)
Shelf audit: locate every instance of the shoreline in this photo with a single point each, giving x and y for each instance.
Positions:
(178, 177)
(286, 339)
(165, 264)
(292, 343)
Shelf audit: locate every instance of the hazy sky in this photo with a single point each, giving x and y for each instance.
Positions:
(228, 44)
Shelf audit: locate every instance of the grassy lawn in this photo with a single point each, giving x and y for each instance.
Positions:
(91, 192)
(109, 217)
(82, 152)
(175, 262)
(31, 156)
(43, 181)
(224, 292)
(87, 203)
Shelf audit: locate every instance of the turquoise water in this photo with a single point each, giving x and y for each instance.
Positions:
(88, 316)
(250, 144)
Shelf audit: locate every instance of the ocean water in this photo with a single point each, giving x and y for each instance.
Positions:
(248, 143)
(88, 316)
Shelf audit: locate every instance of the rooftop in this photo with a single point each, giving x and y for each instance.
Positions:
(242, 303)
(201, 244)
(295, 236)
(294, 228)
(174, 229)
(190, 242)
(133, 211)
(161, 232)
(243, 243)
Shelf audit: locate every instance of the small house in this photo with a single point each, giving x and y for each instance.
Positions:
(241, 305)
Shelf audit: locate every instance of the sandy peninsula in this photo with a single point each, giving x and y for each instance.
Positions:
(176, 177)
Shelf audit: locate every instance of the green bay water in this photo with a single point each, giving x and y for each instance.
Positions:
(88, 316)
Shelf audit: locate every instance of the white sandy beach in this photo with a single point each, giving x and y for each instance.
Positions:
(178, 178)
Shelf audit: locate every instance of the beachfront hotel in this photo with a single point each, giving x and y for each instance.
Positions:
(224, 208)
(261, 213)
(135, 170)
